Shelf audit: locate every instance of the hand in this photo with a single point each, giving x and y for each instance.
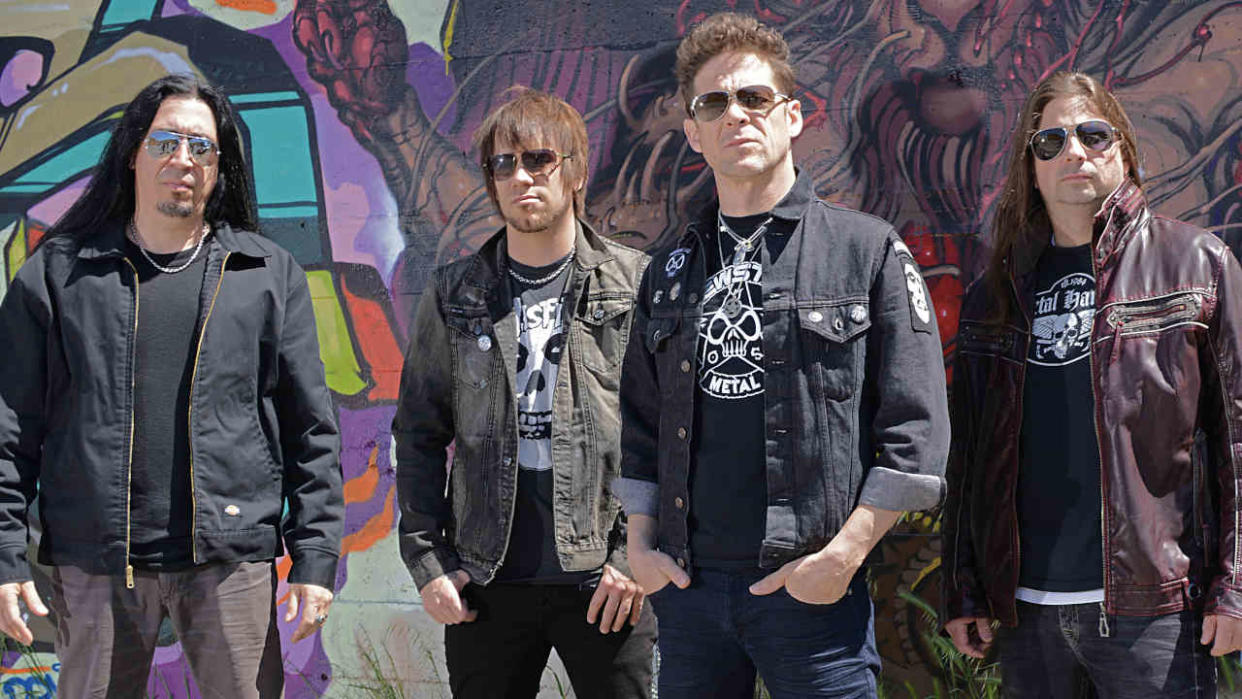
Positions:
(314, 602)
(1223, 632)
(619, 596)
(654, 569)
(442, 598)
(959, 631)
(818, 578)
(11, 622)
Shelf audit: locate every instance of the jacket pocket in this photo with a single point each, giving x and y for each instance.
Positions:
(1155, 315)
(659, 330)
(601, 327)
(830, 337)
(474, 351)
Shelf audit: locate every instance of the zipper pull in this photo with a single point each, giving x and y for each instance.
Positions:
(1105, 632)
(129, 577)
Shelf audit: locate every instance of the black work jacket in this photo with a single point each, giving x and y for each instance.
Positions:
(262, 425)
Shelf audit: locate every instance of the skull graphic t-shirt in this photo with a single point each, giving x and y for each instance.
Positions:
(1059, 472)
(538, 302)
(728, 475)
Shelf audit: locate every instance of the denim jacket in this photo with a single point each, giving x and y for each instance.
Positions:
(854, 391)
(458, 384)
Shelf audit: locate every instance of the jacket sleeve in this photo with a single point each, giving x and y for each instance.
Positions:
(310, 444)
(422, 429)
(638, 487)
(962, 595)
(1221, 406)
(25, 320)
(905, 372)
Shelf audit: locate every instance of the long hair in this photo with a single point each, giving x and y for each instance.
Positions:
(1021, 223)
(109, 198)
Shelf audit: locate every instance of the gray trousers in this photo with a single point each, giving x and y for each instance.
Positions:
(224, 615)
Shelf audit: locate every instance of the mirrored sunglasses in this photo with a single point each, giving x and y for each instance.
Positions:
(710, 106)
(161, 144)
(541, 161)
(1095, 135)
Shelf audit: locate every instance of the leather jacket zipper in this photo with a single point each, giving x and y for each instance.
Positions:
(1095, 415)
(129, 469)
(189, 413)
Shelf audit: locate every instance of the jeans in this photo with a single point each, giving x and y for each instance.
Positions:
(502, 653)
(224, 615)
(715, 634)
(1058, 651)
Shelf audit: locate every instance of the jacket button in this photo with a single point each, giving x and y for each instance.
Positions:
(837, 324)
(693, 298)
(815, 316)
(681, 563)
(679, 503)
(681, 432)
(685, 366)
(858, 314)
(599, 313)
(508, 460)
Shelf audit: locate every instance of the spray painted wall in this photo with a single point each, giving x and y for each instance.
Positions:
(358, 115)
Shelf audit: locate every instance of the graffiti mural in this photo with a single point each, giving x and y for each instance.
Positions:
(358, 116)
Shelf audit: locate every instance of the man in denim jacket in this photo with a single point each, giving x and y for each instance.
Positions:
(515, 353)
(783, 401)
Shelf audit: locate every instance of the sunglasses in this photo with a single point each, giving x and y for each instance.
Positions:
(1094, 135)
(161, 144)
(541, 161)
(710, 106)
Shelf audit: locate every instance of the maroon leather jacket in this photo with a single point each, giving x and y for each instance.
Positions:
(1166, 369)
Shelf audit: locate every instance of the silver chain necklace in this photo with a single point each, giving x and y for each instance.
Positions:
(549, 276)
(202, 235)
(732, 303)
(743, 246)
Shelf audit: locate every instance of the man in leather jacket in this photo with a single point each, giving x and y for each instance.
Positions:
(515, 354)
(1097, 424)
(163, 396)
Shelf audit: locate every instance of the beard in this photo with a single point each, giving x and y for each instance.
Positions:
(175, 209)
(538, 222)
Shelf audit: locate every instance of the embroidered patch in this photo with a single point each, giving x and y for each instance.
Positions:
(916, 289)
(676, 260)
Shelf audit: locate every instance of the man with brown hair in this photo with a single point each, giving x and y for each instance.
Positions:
(515, 353)
(1097, 424)
(783, 400)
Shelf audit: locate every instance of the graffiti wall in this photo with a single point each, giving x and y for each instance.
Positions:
(358, 115)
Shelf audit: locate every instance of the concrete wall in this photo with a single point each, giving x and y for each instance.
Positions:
(359, 115)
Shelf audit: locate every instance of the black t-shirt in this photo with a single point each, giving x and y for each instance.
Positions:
(160, 504)
(543, 324)
(1059, 474)
(728, 470)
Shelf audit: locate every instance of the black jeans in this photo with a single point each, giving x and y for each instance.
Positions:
(502, 654)
(1058, 651)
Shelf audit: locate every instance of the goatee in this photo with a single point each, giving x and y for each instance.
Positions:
(175, 209)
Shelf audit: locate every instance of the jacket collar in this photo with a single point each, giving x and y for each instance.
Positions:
(492, 262)
(791, 207)
(109, 242)
(1112, 229)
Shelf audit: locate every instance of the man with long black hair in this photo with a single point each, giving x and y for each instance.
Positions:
(1096, 455)
(164, 397)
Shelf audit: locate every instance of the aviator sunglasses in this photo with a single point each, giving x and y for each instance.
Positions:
(161, 144)
(541, 161)
(1094, 135)
(710, 106)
